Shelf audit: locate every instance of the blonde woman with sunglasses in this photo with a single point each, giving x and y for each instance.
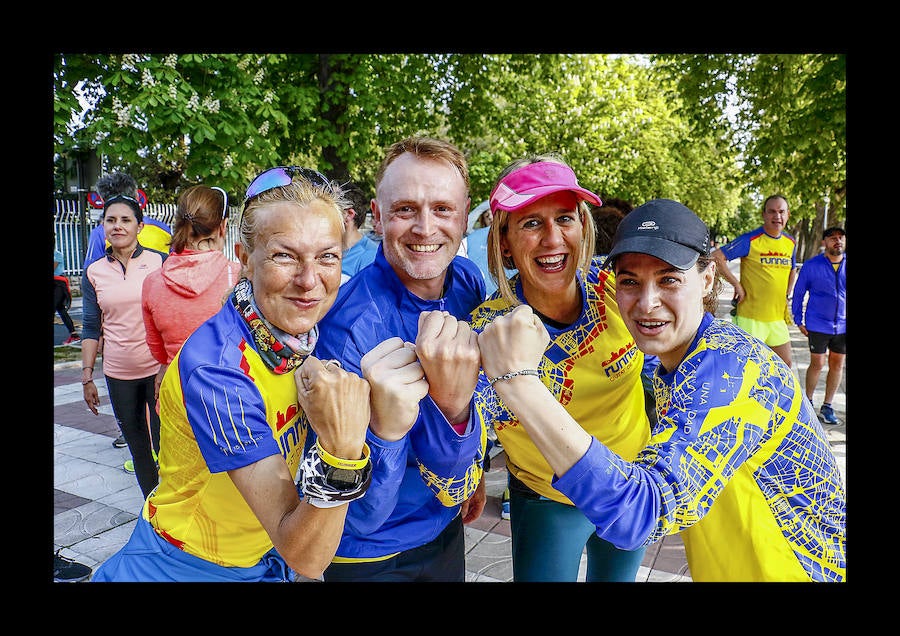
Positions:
(237, 405)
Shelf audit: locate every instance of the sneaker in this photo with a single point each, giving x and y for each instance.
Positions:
(128, 466)
(74, 339)
(828, 415)
(69, 571)
(504, 505)
(120, 442)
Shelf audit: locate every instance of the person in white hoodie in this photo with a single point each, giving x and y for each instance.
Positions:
(195, 280)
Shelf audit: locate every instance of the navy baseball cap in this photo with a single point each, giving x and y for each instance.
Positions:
(665, 229)
(833, 230)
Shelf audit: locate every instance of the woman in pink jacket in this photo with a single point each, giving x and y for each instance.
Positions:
(194, 281)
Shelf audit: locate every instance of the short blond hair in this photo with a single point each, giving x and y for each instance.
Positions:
(299, 191)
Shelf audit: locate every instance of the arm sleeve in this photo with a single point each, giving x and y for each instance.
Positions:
(698, 446)
(450, 464)
(96, 245)
(800, 289)
(369, 513)
(737, 248)
(389, 458)
(227, 415)
(90, 310)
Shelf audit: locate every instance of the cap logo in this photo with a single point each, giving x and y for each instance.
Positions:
(648, 225)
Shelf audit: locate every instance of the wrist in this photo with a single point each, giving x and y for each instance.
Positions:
(514, 374)
(340, 462)
(325, 485)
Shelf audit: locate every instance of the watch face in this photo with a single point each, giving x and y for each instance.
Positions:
(342, 478)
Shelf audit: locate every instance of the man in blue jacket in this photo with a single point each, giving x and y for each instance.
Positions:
(410, 307)
(824, 318)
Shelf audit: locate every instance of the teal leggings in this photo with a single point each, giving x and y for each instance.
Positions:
(548, 539)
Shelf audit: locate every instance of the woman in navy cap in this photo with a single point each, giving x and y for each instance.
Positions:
(543, 227)
(738, 462)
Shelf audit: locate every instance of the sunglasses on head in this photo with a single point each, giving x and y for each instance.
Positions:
(224, 201)
(120, 197)
(282, 176)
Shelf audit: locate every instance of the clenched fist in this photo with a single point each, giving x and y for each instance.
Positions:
(397, 384)
(513, 342)
(336, 403)
(448, 352)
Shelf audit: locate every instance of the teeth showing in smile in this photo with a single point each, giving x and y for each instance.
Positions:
(652, 325)
(424, 248)
(551, 260)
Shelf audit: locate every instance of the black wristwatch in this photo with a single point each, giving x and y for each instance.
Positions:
(344, 478)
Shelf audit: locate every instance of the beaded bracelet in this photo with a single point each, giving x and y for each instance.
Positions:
(513, 374)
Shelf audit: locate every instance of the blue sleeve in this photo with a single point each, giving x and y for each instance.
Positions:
(90, 310)
(450, 464)
(619, 498)
(368, 514)
(228, 417)
(801, 286)
(337, 340)
(738, 248)
(96, 246)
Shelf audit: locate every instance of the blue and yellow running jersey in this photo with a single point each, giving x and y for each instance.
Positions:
(592, 367)
(766, 265)
(738, 464)
(220, 408)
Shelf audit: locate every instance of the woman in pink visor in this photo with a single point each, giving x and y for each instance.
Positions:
(543, 227)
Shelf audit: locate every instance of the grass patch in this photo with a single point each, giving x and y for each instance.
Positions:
(66, 354)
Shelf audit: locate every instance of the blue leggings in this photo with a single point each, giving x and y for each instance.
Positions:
(549, 537)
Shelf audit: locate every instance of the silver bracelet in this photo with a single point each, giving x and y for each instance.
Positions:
(513, 374)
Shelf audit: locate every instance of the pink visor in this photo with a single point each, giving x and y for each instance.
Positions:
(536, 180)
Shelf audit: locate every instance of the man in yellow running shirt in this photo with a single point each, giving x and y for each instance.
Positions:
(768, 272)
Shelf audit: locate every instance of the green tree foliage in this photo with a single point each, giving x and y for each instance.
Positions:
(631, 127)
(787, 115)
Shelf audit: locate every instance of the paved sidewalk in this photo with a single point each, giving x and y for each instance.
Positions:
(96, 502)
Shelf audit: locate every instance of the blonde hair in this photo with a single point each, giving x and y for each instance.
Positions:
(428, 148)
(500, 224)
(299, 191)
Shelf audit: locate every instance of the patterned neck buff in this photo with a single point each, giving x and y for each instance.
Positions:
(281, 351)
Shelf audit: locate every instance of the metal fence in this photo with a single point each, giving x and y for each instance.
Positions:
(67, 225)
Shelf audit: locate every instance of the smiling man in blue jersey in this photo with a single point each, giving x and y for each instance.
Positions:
(415, 296)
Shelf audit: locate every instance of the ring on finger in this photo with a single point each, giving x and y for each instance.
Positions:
(333, 361)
